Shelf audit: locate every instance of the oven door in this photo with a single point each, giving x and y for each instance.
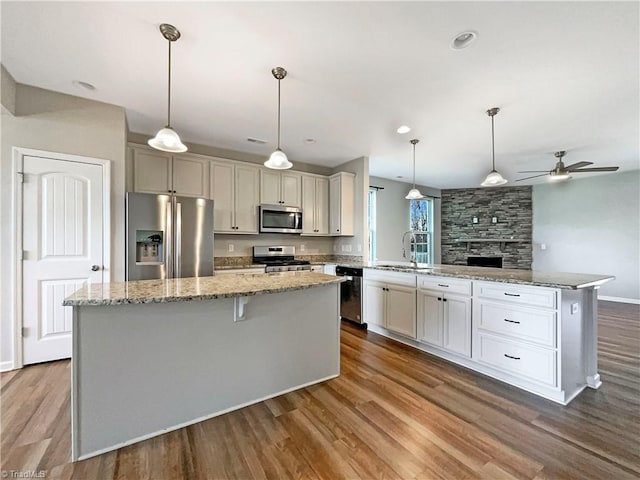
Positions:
(279, 219)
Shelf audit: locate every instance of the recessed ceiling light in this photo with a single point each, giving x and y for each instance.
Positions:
(309, 140)
(256, 140)
(403, 129)
(85, 85)
(463, 40)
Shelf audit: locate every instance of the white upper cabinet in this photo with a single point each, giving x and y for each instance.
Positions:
(341, 204)
(234, 190)
(315, 205)
(160, 172)
(281, 188)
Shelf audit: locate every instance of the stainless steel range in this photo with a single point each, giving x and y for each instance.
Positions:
(279, 258)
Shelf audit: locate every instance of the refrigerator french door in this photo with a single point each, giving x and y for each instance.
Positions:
(168, 236)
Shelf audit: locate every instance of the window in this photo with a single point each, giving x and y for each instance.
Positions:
(371, 212)
(421, 222)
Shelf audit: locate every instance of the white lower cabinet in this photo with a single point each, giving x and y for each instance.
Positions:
(390, 301)
(514, 333)
(445, 321)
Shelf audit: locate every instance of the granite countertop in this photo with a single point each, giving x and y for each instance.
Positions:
(239, 267)
(506, 275)
(202, 288)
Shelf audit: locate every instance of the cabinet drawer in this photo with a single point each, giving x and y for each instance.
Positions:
(521, 323)
(538, 296)
(531, 363)
(398, 278)
(444, 284)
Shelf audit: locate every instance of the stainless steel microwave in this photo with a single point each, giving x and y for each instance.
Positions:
(280, 219)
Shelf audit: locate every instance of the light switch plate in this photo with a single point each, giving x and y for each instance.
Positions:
(574, 308)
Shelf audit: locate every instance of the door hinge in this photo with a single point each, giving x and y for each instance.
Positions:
(20, 176)
(24, 332)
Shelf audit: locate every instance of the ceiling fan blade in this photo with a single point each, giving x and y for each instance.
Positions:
(535, 176)
(573, 166)
(596, 169)
(534, 171)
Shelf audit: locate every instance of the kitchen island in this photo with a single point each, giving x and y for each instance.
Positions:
(156, 355)
(534, 330)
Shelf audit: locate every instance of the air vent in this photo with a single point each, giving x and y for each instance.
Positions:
(256, 140)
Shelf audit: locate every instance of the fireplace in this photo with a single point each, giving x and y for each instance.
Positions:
(495, 262)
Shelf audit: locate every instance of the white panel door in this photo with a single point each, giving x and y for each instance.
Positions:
(63, 248)
(322, 206)
(430, 317)
(222, 194)
(291, 190)
(401, 310)
(457, 324)
(374, 296)
(308, 205)
(246, 201)
(270, 187)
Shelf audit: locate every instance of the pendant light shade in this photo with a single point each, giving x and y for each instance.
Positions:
(414, 193)
(167, 139)
(278, 159)
(494, 178)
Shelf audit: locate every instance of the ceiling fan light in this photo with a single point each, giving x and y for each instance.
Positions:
(278, 161)
(167, 140)
(559, 177)
(414, 194)
(494, 179)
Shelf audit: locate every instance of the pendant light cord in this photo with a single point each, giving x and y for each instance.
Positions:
(278, 114)
(493, 146)
(169, 91)
(414, 166)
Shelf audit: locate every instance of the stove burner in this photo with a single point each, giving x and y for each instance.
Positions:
(279, 259)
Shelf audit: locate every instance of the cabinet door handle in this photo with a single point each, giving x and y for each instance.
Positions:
(511, 321)
(444, 299)
(443, 285)
(439, 299)
(511, 294)
(512, 358)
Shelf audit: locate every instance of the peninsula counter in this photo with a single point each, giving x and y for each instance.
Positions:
(156, 355)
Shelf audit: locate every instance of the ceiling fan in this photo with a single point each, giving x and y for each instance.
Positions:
(562, 172)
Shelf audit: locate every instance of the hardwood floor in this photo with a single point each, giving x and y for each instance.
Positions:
(393, 413)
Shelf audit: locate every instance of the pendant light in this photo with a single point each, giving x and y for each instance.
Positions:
(167, 139)
(278, 160)
(414, 193)
(494, 179)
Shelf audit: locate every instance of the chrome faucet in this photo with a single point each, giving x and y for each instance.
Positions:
(412, 248)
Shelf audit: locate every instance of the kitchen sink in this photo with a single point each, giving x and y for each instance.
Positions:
(405, 267)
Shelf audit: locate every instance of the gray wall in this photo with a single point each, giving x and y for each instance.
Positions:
(392, 217)
(591, 225)
(55, 122)
(510, 205)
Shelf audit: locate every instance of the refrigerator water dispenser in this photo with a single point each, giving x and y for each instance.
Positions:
(149, 247)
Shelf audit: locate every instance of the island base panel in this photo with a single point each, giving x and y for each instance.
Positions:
(142, 370)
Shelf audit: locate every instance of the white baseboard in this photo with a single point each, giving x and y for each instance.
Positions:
(6, 366)
(635, 301)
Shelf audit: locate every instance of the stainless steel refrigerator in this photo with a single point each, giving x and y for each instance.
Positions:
(168, 236)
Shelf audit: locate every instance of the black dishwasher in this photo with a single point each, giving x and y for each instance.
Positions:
(351, 294)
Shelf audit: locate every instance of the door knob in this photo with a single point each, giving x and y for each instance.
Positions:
(95, 268)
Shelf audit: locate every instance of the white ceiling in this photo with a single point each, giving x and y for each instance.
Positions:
(565, 75)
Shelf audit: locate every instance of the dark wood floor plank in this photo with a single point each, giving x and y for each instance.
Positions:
(394, 413)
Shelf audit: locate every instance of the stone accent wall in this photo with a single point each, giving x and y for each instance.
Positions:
(513, 208)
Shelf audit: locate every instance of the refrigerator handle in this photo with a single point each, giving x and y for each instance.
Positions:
(169, 239)
(178, 230)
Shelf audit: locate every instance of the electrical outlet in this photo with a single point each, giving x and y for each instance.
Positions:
(475, 220)
(574, 308)
(302, 247)
(543, 246)
(231, 247)
(494, 219)
(335, 248)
